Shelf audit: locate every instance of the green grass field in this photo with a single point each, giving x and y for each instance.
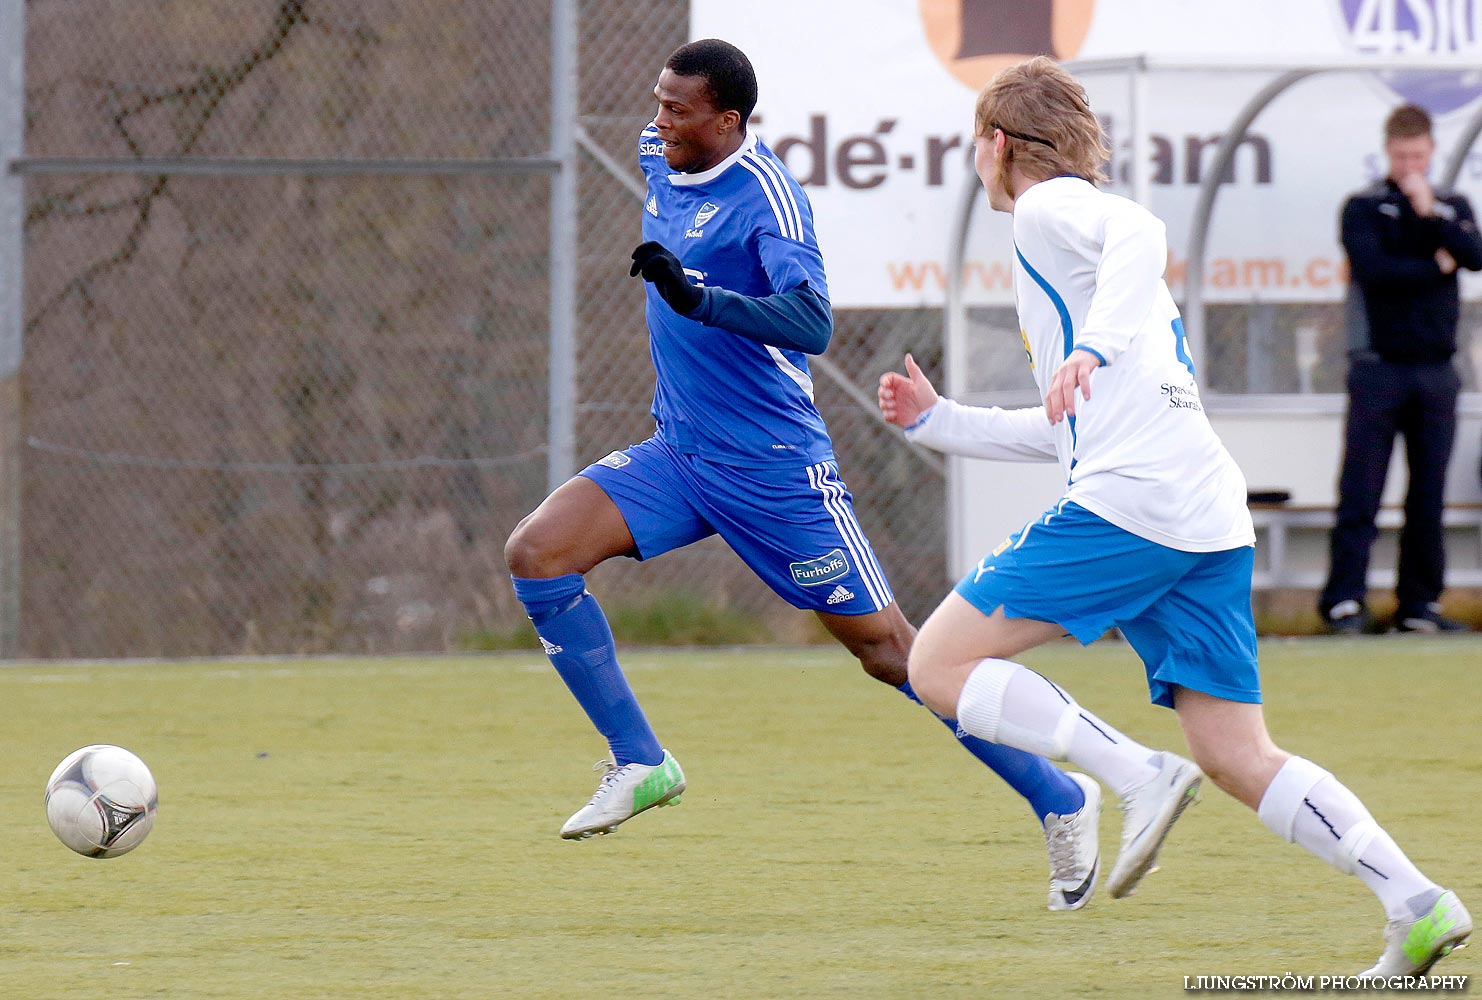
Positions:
(338, 829)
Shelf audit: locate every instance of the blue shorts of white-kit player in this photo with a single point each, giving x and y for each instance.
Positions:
(793, 525)
(1187, 614)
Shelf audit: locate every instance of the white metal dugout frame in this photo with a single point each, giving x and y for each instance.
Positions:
(1138, 69)
(559, 162)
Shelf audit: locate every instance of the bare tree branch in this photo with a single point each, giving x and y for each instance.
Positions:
(211, 88)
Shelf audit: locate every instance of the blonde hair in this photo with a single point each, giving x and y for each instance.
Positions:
(1047, 121)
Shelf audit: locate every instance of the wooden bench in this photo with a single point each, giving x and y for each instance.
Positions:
(1292, 545)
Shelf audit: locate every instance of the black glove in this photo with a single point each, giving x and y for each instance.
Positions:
(658, 265)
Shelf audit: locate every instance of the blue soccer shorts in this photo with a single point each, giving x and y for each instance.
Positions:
(1187, 614)
(793, 525)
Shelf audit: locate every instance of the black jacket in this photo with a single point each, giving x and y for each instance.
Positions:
(1411, 307)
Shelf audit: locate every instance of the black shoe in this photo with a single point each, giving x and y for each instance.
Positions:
(1429, 619)
(1348, 618)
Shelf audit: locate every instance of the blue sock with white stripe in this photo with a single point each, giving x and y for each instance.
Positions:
(1047, 788)
(578, 642)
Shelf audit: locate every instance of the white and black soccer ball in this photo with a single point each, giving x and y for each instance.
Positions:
(101, 801)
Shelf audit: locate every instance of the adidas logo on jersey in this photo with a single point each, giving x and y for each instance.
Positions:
(653, 206)
(551, 649)
(840, 595)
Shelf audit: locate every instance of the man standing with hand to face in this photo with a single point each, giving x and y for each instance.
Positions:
(1405, 242)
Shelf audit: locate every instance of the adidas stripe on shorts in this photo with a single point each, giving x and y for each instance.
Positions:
(794, 526)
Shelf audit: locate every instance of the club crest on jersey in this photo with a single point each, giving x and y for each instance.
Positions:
(705, 214)
(653, 205)
(825, 569)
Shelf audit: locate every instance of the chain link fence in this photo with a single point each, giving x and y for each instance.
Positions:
(284, 406)
(288, 391)
(1303, 348)
(287, 329)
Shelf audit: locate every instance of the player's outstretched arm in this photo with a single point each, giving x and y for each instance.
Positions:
(904, 398)
(941, 424)
(798, 319)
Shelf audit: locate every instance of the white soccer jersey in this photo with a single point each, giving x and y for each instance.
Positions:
(1140, 453)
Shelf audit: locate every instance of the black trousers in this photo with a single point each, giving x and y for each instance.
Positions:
(1418, 402)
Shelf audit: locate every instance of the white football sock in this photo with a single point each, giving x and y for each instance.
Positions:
(1004, 702)
(1307, 806)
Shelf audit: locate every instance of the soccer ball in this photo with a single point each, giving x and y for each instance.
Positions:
(101, 801)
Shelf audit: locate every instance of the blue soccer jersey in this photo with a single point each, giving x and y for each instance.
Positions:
(743, 225)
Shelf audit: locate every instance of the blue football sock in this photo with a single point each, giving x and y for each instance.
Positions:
(1045, 786)
(578, 641)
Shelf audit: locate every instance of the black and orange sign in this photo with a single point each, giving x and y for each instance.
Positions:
(974, 39)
